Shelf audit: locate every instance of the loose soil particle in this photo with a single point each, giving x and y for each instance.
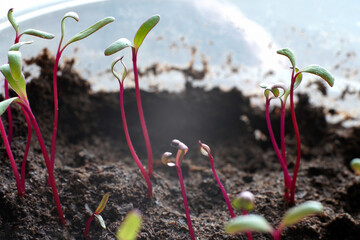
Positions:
(92, 159)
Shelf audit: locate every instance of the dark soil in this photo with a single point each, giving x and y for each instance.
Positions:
(93, 158)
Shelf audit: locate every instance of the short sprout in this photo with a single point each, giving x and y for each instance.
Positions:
(179, 145)
(205, 149)
(167, 159)
(355, 165)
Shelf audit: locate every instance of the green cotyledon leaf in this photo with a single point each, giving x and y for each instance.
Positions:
(144, 29)
(130, 227)
(321, 72)
(5, 104)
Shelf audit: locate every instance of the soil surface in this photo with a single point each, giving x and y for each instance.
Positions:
(93, 158)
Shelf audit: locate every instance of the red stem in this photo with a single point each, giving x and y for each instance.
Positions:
(23, 165)
(287, 178)
(276, 234)
(87, 226)
(47, 161)
(183, 192)
(298, 142)
(8, 111)
(20, 190)
(131, 147)
(249, 235)
(141, 115)
(282, 131)
(228, 203)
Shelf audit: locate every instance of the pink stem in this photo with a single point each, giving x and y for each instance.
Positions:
(287, 178)
(23, 165)
(56, 109)
(141, 115)
(298, 142)
(131, 147)
(282, 131)
(20, 190)
(228, 203)
(87, 226)
(248, 234)
(47, 161)
(276, 234)
(183, 192)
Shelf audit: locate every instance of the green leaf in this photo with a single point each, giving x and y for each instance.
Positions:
(17, 46)
(298, 213)
(14, 58)
(102, 204)
(117, 46)
(90, 30)
(18, 86)
(245, 223)
(72, 15)
(321, 72)
(101, 221)
(289, 54)
(38, 33)
(12, 20)
(130, 227)
(144, 29)
(5, 104)
(355, 165)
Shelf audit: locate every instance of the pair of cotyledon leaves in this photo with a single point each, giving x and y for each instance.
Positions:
(313, 69)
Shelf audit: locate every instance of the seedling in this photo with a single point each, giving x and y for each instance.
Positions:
(205, 150)
(77, 37)
(12, 72)
(119, 45)
(96, 214)
(130, 227)
(3, 106)
(244, 201)
(171, 162)
(355, 165)
(18, 35)
(296, 78)
(123, 116)
(258, 223)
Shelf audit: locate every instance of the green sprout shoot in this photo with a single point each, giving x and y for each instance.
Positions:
(258, 223)
(279, 91)
(245, 202)
(123, 43)
(355, 165)
(96, 214)
(130, 227)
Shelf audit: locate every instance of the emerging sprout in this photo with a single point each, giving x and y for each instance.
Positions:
(96, 214)
(126, 131)
(355, 165)
(244, 201)
(274, 90)
(166, 159)
(259, 224)
(130, 227)
(121, 44)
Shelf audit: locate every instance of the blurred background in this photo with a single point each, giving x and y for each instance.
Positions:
(210, 43)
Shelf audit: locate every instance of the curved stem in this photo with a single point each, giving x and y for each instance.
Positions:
(298, 142)
(287, 178)
(228, 203)
(131, 147)
(87, 226)
(47, 162)
(183, 192)
(141, 115)
(23, 165)
(20, 190)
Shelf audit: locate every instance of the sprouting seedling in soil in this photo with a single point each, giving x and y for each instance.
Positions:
(119, 45)
(126, 131)
(3, 106)
(18, 35)
(12, 72)
(96, 214)
(130, 227)
(166, 159)
(245, 202)
(258, 223)
(205, 150)
(77, 37)
(355, 165)
(296, 78)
